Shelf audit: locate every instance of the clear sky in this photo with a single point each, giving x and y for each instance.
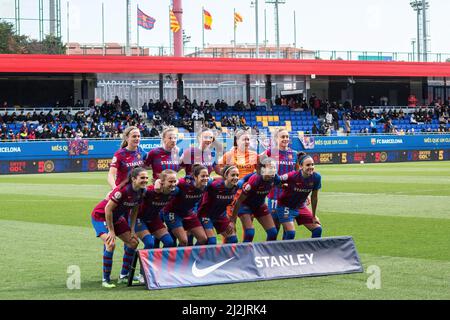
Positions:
(359, 25)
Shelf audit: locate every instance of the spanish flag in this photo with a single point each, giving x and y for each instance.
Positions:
(174, 25)
(237, 19)
(207, 20)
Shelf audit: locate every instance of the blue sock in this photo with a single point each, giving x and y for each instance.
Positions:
(249, 234)
(127, 258)
(149, 241)
(107, 265)
(174, 239)
(231, 239)
(284, 235)
(156, 243)
(212, 240)
(290, 235)
(271, 234)
(167, 241)
(317, 232)
(190, 240)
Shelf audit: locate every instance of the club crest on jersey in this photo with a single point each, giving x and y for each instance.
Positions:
(118, 195)
(247, 187)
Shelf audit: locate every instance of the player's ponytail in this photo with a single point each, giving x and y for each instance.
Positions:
(238, 135)
(126, 134)
(301, 156)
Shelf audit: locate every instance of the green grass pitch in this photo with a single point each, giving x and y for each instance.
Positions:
(398, 215)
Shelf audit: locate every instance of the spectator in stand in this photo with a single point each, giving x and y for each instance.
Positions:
(252, 105)
(373, 124)
(224, 121)
(11, 136)
(389, 127)
(347, 124)
(144, 108)
(277, 100)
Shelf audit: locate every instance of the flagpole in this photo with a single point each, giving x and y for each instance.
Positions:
(68, 22)
(170, 35)
(128, 29)
(265, 28)
(137, 24)
(257, 28)
(295, 31)
(203, 28)
(234, 24)
(103, 28)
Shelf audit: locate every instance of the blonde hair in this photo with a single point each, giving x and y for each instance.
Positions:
(166, 130)
(276, 133)
(126, 134)
(165, 173)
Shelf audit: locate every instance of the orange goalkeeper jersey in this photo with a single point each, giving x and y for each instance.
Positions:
(245, 161)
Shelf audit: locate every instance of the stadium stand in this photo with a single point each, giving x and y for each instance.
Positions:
(109, 119)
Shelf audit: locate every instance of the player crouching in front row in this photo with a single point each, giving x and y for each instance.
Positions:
(108, 219)
(292, 203)
(249, 201)
(213, 206)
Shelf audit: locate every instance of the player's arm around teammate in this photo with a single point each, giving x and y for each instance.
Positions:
(149, 223)
(250, 201)
(179, 214)
(313, 180)
(310, 219)
(108, 219)
(213, 208)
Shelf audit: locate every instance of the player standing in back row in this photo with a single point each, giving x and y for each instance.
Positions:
(286, 159)
(129, 155)
(165, 157)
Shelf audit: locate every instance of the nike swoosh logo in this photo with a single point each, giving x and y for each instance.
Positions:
(200, 273)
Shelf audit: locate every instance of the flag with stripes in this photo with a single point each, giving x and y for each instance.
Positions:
(144, 20)
(174, 25)
(237, 19)
(207, 19)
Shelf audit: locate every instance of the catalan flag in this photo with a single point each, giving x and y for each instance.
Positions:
(174, 25)
(237, 19)
(144, 20)
(207, 20)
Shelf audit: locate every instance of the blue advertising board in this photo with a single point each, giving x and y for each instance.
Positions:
(96, 155)
(371, 143)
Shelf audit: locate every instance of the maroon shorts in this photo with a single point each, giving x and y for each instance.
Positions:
(220, 223)
(256, 212)
(155, 224)
(305, 216)
(191, 222)
(120, 226)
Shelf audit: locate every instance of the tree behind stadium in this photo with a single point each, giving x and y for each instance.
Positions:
(20, 44)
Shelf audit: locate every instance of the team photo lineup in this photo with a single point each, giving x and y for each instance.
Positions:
(273, 187)
(174, 152)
